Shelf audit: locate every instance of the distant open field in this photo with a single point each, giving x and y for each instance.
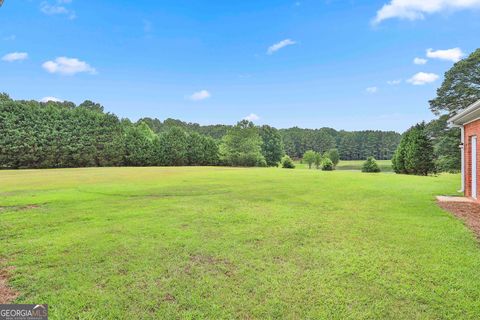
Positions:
(385, 165)
(211, 243)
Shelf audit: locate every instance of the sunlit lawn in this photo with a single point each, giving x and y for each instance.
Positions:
(209, 243)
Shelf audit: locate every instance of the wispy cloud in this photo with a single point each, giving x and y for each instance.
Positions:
(279, 45)
(394, 82)
(54, 99)
(15, 56)
(422, 78)
(454, 54)
(200, 95)
(68, 66)
(420, 61)
(417, 9)
(372, 90)
(58, 7)
(252, 117)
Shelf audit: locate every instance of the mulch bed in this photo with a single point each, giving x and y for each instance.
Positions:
(469, 212)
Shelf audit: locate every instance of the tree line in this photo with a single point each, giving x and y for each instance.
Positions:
(62, 134)
(352, 145)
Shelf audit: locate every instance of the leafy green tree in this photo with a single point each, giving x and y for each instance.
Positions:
(242, 146)
(446, 141)
(309, 158)
(370, 165)
(202, 150)
(333, 155)
(272, 147)
(460, 88)
(87, 104)
(139, 142)
(398, 159)
(415, 153)
(318, 160)
(172, 148)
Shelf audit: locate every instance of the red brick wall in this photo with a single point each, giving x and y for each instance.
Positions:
(471, 129)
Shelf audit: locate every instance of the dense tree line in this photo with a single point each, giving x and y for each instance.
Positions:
(352, 145)
(61, 134)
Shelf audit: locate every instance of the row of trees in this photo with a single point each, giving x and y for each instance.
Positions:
(352, 145)
(326, 161)
(61, 134)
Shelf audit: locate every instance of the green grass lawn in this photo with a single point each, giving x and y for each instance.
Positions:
(209, 243)
(356, 165)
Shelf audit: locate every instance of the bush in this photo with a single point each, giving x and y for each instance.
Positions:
(370, 165)
(327, 164)
(287, 163)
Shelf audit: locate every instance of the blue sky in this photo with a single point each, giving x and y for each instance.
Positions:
(342, 64)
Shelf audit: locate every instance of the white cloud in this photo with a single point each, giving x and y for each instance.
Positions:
(57, 8)
(394, 82)
(417, 9)
(200, 95)
(252, 117)
(54, 99)
(422, 78)
(372, 90)
(15, 56)
(68, 66)
(454, 54)
(282, 44)
(420, 61)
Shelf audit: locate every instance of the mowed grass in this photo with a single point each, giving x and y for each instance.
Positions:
(211, 243)
(353, 165)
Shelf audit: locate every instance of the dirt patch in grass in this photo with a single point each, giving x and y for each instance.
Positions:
(19, 208)
(469, 212)
(211, 264)
(169, 298)
(7, 295)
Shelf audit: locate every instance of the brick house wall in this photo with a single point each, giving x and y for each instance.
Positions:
(471, 129)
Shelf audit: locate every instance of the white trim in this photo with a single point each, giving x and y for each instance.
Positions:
(462, 148)
(476, 119)
(457, 119)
